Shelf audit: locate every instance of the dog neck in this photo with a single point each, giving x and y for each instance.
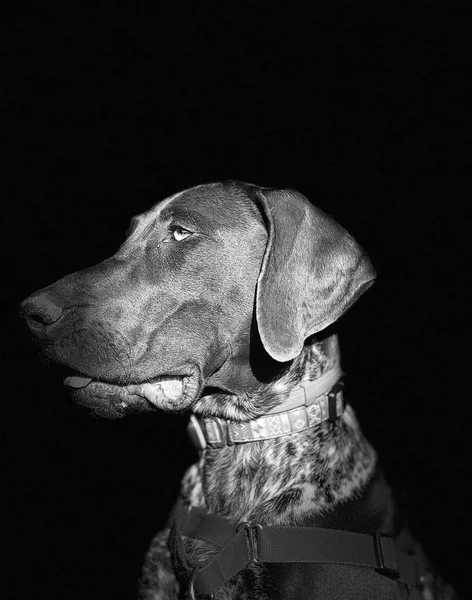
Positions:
(317, 360)
(287, 479)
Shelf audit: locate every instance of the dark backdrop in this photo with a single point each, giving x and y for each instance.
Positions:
(111, 110)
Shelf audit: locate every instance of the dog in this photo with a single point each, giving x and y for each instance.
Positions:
(222, 301)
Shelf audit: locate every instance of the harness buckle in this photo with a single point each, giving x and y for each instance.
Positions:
(191, 585)
(386, 555)
(256, 529)
(252, 540)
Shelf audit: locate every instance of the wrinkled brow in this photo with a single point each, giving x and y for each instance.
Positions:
(186, 216)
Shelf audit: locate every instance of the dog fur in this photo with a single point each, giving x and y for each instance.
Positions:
(220, 301)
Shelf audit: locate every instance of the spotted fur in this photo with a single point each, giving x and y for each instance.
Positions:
(304, 479)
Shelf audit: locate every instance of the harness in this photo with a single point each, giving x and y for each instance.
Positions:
(242, 545)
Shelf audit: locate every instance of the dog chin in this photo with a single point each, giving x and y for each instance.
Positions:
(173, 394)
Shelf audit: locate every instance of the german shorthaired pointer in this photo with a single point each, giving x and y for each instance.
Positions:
(220, 302)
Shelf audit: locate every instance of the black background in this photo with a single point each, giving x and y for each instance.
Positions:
(110, 110)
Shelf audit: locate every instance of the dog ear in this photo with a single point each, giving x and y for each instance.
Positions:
(312, 272)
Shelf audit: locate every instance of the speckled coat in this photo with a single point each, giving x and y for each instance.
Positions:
(325, 476)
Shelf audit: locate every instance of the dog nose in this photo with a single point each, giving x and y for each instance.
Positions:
(40, 309)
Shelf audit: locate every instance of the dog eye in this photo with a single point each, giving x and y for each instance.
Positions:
(179, 233)
(176, 233)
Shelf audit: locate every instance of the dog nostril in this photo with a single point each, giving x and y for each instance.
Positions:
(41, 310)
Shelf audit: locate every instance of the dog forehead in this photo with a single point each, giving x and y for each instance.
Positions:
(220, 203)
(226, 205)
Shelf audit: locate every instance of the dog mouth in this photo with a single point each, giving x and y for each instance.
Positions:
(168, 393)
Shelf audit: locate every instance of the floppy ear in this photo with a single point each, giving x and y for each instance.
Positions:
(312, 272)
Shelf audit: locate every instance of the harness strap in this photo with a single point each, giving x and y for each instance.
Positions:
(247, 544)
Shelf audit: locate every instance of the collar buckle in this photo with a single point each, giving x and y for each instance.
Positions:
(212, 431)
(196, 434)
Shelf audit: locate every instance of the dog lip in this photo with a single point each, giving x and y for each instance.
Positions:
(79, 380)
(162, 392)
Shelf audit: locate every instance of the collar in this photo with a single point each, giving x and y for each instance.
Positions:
(310, 403)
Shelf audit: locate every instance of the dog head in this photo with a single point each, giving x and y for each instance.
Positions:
(174, 310)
